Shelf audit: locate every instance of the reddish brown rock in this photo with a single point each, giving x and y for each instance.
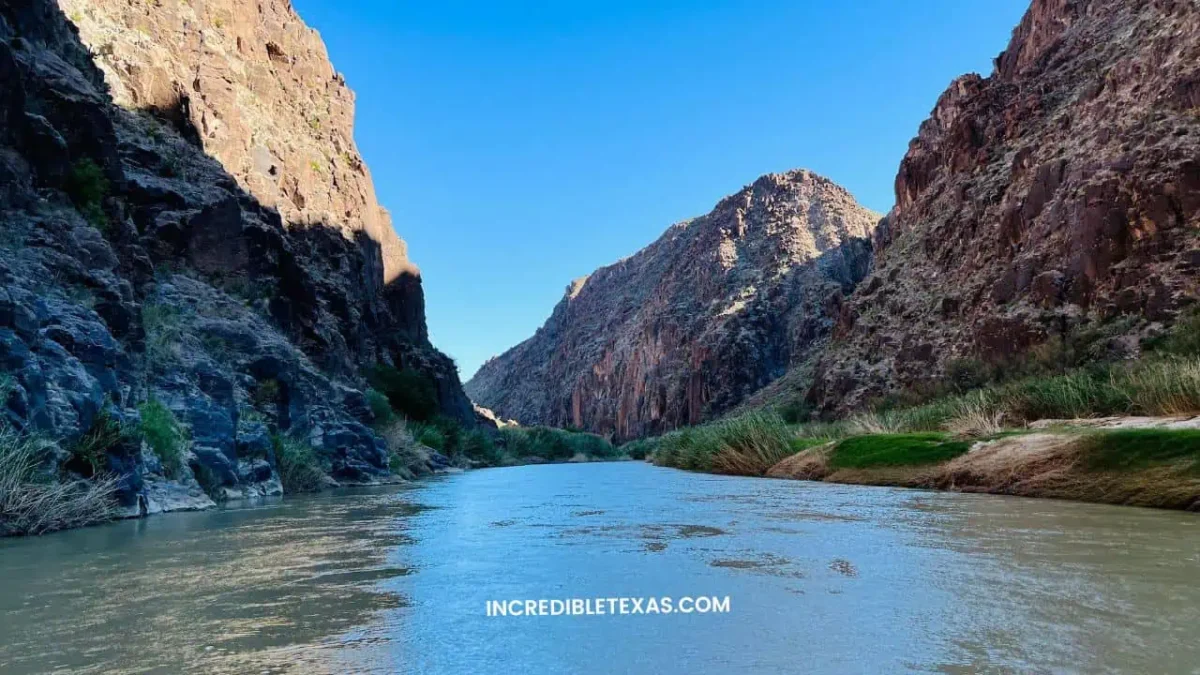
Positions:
(253, 85)
(696, 322)
(1061, 190)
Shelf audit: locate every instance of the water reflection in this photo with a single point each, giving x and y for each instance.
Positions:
(823, 579)
(263, 589)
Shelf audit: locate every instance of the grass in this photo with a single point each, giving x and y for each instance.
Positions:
(519, 444)
(165, 436)
(381, 409)
(164, 334)
(747, 445)
(89, 454)
(87, 187)
(879, 450)
(1134, 449)
(32, 502)
(430, 435)
(297, 464)
(407, 458)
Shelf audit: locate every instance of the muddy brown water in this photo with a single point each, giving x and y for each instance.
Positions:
(821, 578)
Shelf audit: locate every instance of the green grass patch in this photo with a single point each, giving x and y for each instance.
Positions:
(299, 467)
(879, 450)
(1132, 449)
(87, 187)
(553, 445)
(163, 433)
(746, 445)
(89, 454)
(381, 409)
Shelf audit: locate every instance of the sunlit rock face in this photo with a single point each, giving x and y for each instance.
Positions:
(254, 87)
(691, 325)
(1060, 194)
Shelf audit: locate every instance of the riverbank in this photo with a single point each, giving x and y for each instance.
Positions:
(1116, 433)
(1131, 461)
(42, 489)
(1123, 461)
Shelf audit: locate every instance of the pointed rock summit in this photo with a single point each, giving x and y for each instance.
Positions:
(718, 307)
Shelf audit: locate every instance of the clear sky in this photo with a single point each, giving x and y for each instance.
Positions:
(520, 145)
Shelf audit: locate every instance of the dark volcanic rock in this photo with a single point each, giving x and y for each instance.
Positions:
(135, 266)
(693, 324)
(1060, 191)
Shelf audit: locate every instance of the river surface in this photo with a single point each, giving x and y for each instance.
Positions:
(821, 579)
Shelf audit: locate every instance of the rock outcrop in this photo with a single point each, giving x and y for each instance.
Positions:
(691, 325)
(161, 251)
(1060, 194)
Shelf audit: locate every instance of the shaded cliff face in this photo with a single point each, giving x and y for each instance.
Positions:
(134, 267)
(252, 86)
(688, 327)
(1060, 193)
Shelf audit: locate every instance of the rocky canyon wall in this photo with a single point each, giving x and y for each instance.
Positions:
(1059, 194)
(212, 244)
(688, 327)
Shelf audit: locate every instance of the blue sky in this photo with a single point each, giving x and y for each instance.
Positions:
(520, 145)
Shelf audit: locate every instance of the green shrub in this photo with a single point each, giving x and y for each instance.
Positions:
(478, 446)
(1184, 337)
(592, 446)
(410, 393)
(1132, 449)
(381, 409)
(554, 445)
(299, 468)
(879, 450)
(429, 435)
(205, 477)
(963, 375)
(87, 187)
(406, 457)
(796, 411)
(639, 449)
(89, 454)
(163, 434)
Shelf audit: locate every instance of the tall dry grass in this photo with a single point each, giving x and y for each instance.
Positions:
(34, 504)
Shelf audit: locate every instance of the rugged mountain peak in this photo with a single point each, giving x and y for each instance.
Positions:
(253, 86)
(716, 308)
(1041, 29)
(1059, 195)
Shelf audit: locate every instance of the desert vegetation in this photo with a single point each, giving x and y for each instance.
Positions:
(32, 501)
(404, 409)
(955, 437)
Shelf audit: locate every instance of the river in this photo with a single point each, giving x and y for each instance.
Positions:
(820, 578)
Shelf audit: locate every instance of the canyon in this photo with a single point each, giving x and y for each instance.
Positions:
(1058, 196)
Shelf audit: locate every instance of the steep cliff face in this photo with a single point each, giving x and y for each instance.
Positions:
(688, 327)
(253, 85)
(1058, 194)
(138, 269)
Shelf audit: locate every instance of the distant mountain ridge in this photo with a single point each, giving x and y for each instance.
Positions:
(691, 325)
